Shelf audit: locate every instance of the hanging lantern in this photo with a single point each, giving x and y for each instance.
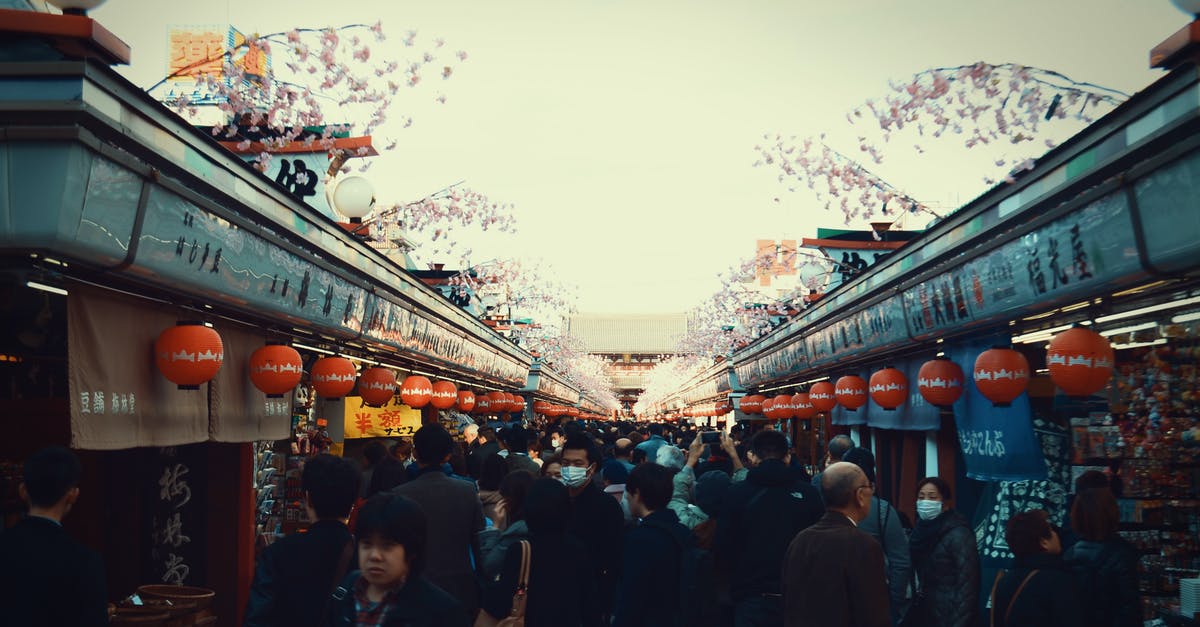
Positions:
(803, 407)
(466, 401)
(1001, 375)
(333, 377)
(822, 397)
(1080, 361)
(555, 410)
(483, 404)
(416, 391)
(541, 407)
(768, 408)
(519, 405)
(189, 354)
(753, 404)
(377, 386)
(783, 407)
(445, 395)
(940, 381)
(851, 392)
(499, 403)
(510, 401)
(276, 369)
(573, 412)
(889, 388)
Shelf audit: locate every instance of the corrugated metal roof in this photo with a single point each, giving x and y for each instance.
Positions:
(628, 333)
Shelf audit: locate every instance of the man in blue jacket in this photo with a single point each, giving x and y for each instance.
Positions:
(649, 590)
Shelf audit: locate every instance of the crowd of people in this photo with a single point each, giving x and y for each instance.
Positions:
(619, 524)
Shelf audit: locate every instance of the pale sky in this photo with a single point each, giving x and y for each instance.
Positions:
(623, 131)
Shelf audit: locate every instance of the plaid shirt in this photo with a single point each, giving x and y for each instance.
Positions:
(368, 613)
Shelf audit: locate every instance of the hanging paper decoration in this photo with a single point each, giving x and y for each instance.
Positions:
(377, 386)
(541, 407)
(416, 391)
(768, 408)
(573, 412)
(276, 369)
(189, 354)
(889, 388)
(466, 401)
(803, 407)
(822, 395)
(333, 377)
(519, 405)
(445, 395)
(851, 392)
(1001, 375)
(483, 404)
(783, 407)
(753, 404)
(498, 402)
(1080, 361)
(940, 381)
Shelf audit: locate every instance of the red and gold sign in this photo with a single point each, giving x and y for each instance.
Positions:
(416, 391)
(189, 354)
(1001, 375)
(276, 369)
(333, 377)
(445, 395)
(1080, 361)
(851, 392)
(391, 420)
(940, 381)
(377, 386)
(889, 388)
(822, 396)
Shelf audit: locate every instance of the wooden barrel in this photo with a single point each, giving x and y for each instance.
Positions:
(188, 603)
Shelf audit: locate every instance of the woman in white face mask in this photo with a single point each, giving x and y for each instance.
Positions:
(945, 561)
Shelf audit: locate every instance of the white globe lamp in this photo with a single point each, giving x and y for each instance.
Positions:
(354, 197)
(76, 7)
(1191, 7)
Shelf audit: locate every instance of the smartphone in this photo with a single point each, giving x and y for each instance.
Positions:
(710, 437)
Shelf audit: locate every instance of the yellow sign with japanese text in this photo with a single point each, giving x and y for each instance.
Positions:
(392, 420)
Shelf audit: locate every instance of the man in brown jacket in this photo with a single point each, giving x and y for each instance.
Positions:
(834, 574)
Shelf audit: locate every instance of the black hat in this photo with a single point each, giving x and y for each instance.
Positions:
(863, 458)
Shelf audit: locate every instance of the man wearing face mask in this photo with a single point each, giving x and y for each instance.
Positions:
(596, 517)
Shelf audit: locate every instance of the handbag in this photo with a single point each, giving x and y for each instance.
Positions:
(1011, 602)
(516, 616)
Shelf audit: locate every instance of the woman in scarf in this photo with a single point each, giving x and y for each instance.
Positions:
(945, 560)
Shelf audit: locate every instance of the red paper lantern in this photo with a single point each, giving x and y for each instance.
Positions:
(483, 404)
(1001, 375)
(333, 377)
(889, 388)
(1080, 361)
(499, 402)
(783, 407)
(822, 396)
(519, 405)
(851, 392)
(189, 354)
(416, 391)
(753, 404)
(510, 402)
(541, 407)
(466, 401)
(803, 407)
(768, 408)
(276, 369)
(377, 386)
(940, 381)
(445, 395)
(573, 412)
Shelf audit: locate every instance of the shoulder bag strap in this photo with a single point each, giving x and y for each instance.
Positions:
(992, 603)
(522, 594)
(339, 573)
(1008, 612)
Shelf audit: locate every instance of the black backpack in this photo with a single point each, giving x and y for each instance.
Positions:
(697, 584)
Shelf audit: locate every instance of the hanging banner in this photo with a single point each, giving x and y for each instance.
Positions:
(392, 420)
(998, 443)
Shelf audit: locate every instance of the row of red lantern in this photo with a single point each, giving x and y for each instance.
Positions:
(707, 410)
(553, 410)
(1079, 361)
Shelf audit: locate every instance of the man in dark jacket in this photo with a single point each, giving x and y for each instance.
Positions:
(516, 442)
(47, 578)
(294, 576)
(883, 524)
(833, 573)
(760, 517)
(1040, 591)
(596, 517)
(649, 592)
(455, 517)
(485, 446)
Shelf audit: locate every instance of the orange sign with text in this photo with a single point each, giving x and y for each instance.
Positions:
(392, 420)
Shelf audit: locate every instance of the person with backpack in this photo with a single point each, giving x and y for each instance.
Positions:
(663, 575)
(760, 517)
(1040, 591)
(1104, 563)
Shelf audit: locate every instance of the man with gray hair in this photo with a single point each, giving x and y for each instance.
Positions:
(837, 447)
(833, 575)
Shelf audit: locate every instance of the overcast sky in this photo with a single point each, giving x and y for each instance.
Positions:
(623, 130)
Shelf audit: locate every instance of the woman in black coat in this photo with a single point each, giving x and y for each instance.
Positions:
(1104, 563)
(945, 560)
(561, 589)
